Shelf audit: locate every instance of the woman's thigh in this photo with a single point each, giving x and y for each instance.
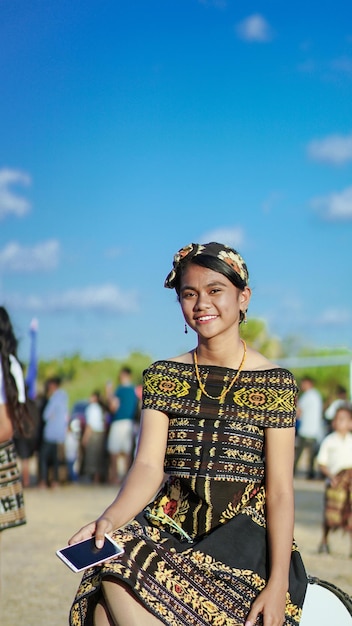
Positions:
(124, 608)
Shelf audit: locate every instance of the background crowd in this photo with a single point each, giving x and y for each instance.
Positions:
(92, 443)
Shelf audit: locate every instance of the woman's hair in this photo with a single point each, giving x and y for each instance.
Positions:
(17, 411)
(213, 255)
(215, 264)
(212, 263)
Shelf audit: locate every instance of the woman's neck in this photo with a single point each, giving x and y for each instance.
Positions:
(224, 354)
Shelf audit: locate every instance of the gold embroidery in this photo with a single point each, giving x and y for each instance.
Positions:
(166, 385)
(272, 399)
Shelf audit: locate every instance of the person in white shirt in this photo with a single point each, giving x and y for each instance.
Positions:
(311, 425)
(94, 439)
(335, 463)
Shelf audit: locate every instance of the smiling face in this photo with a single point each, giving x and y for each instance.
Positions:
(210, 303)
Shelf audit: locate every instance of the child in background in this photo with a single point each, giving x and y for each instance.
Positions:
(335, 462)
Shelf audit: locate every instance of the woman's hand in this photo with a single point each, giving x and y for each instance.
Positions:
(334, 481)
(99, 528)
(271, 604)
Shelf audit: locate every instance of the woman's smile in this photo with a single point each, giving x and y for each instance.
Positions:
(207, 296)
(203, 319)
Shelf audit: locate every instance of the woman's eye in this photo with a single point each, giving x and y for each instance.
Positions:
(188, 294)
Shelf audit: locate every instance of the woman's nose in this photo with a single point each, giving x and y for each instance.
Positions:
(203, 301)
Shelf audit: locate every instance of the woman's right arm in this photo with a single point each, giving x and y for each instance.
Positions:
(142, 482)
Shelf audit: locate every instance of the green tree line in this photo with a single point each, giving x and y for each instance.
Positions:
(80, 376)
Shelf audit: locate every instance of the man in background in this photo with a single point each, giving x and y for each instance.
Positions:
(55, 418)
(123, 406)
(340, 400)
(311, 425)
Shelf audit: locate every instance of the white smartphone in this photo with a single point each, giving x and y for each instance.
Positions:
(85, 554)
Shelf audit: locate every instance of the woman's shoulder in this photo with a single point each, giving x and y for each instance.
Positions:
(181, 359)
(255, 361)
(185, 358)
(261, 369)
(256, 366)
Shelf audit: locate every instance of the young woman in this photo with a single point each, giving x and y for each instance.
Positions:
(215, 545)
(13, 417)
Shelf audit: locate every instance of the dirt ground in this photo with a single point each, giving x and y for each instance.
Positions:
(37, 588)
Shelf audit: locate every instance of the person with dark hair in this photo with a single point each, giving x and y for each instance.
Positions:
(311, 428)
(215, 544)
(27, 443)
(340, 399)
(55, 420)
(14, 418)
(123, 405)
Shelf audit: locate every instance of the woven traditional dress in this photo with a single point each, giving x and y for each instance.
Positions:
(12, 512)
(198, 554)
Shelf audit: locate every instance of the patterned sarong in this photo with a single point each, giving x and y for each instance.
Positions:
(12, 511)
(338, 502)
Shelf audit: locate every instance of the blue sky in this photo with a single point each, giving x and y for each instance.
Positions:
(131, 129)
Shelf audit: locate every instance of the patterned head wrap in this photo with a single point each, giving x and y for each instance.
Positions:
(227, 255)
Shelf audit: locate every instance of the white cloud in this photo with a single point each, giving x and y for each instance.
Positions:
(102, 298)
(233, 237)
(334, 317)
(254, 28)
(10, 202)
(41, 257)
(335, 149)
(336, 206)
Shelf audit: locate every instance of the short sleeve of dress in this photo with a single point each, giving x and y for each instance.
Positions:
(167, 386)
(154, 382)
(279, 399)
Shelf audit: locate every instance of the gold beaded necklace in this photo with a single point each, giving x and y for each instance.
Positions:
(225, 390)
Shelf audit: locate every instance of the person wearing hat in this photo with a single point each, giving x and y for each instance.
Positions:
(215, 545)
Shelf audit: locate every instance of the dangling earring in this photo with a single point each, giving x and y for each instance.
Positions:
(186, 329)
(245, 317)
